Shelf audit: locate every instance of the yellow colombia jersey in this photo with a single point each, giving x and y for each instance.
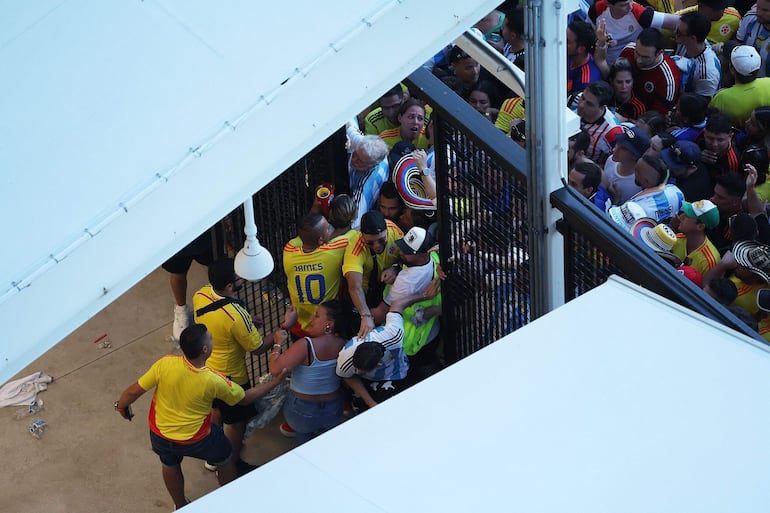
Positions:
(314, 277)
(392, 136)
(375, 122)
(721, 30)
(358, 258)
(233, 332)
(747, 295)
(512, 108)
(667, 6)
(703, 258)
(764, 328)
(181, 407)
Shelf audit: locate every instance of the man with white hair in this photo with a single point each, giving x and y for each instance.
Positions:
(368, 169)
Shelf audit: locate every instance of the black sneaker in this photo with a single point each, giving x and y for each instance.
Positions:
(243, 468)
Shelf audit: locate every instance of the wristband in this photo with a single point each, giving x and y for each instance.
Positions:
(367, 315)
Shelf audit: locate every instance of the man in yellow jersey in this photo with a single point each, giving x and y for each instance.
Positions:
(369, 264)
(313, 268)
(691, 241)
(217, 306)
(752, 273)
(385, 116)
(180, 412)
(724, 19)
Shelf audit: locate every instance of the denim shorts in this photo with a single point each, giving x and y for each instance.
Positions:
(215, 448)
(311, 418)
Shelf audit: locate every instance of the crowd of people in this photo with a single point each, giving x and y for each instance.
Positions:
(674, 105)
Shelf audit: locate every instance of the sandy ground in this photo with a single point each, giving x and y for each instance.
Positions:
(90, 459)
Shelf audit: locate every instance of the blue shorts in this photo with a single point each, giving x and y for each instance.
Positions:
(215, 448)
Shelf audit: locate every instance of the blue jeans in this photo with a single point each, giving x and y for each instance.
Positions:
(311, 418)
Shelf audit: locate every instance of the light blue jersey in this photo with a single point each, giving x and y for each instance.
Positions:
(394, 363)
(751, 32)
(365, 188)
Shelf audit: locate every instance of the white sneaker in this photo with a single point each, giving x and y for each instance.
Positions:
(182, 319)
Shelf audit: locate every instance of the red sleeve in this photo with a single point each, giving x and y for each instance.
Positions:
(612, 135)
(642, 14)
(628, 53)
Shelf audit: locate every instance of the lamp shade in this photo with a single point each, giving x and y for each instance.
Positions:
(253, 262)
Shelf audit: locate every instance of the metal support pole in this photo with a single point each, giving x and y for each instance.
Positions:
(546, 92)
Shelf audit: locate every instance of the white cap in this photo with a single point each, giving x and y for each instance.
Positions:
(745, 60)
(416, 240)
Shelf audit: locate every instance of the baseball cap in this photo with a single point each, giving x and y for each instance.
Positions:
(745, 59)
(753, 256)
(681, 155)
(634, 139)
(416, 240)
(704, 211)
(457, 53)
(373, 223)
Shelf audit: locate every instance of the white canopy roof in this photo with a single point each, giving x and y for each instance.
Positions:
(638, 405)
(128, 128)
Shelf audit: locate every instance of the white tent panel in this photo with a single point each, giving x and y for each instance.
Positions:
(128, 128)
(642, 406)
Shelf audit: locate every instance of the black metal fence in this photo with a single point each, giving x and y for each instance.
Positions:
(277, 206)
(595, 248)
(482, 201)
(482, 216)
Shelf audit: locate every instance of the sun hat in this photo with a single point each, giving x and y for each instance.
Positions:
(753, 256)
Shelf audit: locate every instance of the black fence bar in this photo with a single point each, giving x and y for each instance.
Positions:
(483, 231)
(482, 202)
(277, 206)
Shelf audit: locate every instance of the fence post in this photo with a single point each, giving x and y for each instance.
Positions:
(545, 25)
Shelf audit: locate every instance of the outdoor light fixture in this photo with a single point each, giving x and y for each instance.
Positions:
(253, 262)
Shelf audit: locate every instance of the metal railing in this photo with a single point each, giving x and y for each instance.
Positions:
(277, 207)
(483, 232)
(595, 247)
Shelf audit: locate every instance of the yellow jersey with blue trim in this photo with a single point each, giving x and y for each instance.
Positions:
(313, 277)
(233, 332)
